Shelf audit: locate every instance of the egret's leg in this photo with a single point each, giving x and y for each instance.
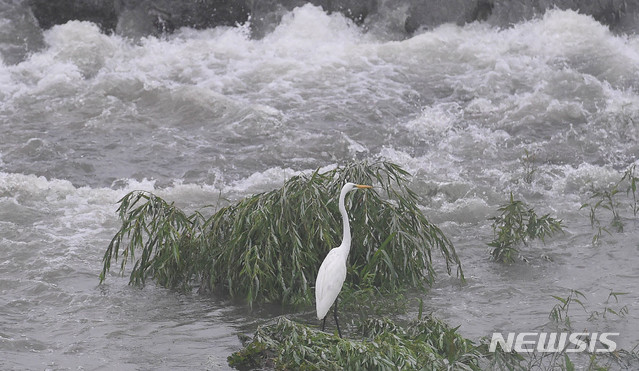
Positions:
(335, 316)
(323, 323)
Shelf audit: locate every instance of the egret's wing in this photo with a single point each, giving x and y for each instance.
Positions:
(330, 279)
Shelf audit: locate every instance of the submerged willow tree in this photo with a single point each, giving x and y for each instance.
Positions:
(268, 247)
(517, 224)
(422, 344)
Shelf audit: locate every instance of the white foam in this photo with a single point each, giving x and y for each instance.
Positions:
(261, 181)
(82, 210)
(471, 210)
(311, 23)
(586, 176)
(435, 120)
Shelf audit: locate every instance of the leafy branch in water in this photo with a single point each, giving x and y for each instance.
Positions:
(517, 224)
(559, 313)
(163, 234)
(528, 161)
(560, 320)
(606, 198)
(608, 308)
(268, 247)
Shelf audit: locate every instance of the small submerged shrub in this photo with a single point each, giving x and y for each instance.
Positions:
(560, 318)
(425, 343)
(269, 246)
(530, 168)
(610, 308)
(560, 321)
(559, 313)
(608, 198)
(517, 224)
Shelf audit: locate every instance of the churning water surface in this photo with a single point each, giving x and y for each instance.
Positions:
(202, 114)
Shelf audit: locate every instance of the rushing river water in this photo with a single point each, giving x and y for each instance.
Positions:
(545, 109)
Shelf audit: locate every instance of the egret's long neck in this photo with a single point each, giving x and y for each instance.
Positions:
(346, 239)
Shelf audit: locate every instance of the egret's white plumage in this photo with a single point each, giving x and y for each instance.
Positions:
(332, 272)
(330, 279)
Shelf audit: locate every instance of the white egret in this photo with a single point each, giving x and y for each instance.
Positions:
(332, 272)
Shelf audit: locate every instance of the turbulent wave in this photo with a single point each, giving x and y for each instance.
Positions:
(317, 89)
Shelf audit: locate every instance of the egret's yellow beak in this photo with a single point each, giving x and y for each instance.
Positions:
(363, 186)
